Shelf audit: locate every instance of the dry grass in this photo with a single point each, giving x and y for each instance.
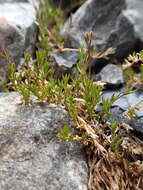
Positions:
(118, 170)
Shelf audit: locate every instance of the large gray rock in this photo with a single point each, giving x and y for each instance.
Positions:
(31, 156)
(116, 24)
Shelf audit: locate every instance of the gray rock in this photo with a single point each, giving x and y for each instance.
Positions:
(131, 100)
(22, 17)
(136, 124)
(111, 74)
(11, 41)
(64, 62)
(18, 31)
(116, 24)
(125, 103)
(31, 156)
(66, 59)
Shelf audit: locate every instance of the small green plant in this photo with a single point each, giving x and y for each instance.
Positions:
(91, 95)
(116, 143)
(106, 106)
(49, 22)
(130, 113)
(33, 79)
(141, 69)
(25, 92)
(129, 76)
(114, 126)
(65, 133)
(80, 95)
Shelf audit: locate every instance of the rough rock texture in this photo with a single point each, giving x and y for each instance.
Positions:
(64, 62)
(116, 24)
(130, 100)
(123, 104)
(21, 16)
(31, 157)
(18, 31)
(111, 74)
(11, 41)
(127, 101)
(66, 59)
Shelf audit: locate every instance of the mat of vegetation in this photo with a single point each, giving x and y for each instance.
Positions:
(114, 153)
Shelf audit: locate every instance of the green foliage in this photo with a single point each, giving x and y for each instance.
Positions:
(116, 140)
(106, 106)
(91, 95)
(25, 92)
(81, 66)
(34, 79)
(114, 126)
(140, 53)
(131, 113)
(116, 143)
(65, 133)
(129, 75)
(79, 95)
(49, 22)
(141, 69)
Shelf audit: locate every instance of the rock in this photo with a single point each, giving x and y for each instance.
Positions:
(64, 62)
(136, 124)
(22, 17)
(116, 24)
(66, 59)
(125, 103)
(18, 31)
(131, 100)
(11, 41)
(31, 156)
(111, 74)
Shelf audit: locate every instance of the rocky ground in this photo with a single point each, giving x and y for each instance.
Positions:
(31, 155)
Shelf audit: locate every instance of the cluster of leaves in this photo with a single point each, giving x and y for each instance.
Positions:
(32, 78)
(79, 95)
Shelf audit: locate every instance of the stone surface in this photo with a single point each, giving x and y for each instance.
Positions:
(22, 16)
(131, 100)
(116, 24)
(66, 59)
(31, 156)
(123, 104)
(11, 41)
(127, 101)
(64, 62)
(18, 31)
(111, 74)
